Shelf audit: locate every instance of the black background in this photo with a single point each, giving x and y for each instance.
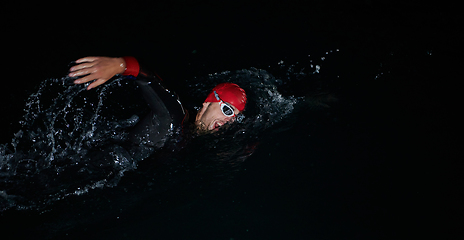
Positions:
(388, 168)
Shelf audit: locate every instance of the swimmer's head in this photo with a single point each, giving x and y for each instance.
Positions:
(222, 105)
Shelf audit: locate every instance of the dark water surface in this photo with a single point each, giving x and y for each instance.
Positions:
(350, 131)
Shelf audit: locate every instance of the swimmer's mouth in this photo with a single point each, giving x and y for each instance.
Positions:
(217, 125)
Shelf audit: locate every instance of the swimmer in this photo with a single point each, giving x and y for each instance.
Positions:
(222, 105)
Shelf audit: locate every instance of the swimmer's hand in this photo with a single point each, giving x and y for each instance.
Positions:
(100, 69)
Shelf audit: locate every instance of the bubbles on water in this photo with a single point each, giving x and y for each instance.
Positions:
(67, 145)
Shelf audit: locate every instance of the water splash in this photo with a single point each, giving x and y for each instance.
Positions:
(67, 145)
(73, 141)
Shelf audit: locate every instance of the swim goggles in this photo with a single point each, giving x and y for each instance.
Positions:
(226, 109)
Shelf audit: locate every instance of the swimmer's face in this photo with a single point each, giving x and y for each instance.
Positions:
(211, 118)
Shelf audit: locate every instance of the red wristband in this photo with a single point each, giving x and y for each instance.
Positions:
(132, 66)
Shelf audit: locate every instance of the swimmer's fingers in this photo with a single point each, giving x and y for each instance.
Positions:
(97, 83)
(85, 79)
(82, 66)
(100, 69)
(85, 62)
(91, 77)
(82, 71)
(87, 59)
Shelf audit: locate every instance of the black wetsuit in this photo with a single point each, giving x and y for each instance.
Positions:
(167, 114)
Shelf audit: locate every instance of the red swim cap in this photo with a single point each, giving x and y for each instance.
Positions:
(230, 93)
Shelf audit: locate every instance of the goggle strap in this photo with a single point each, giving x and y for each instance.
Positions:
(217, 96)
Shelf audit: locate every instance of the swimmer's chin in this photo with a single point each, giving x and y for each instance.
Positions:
(201, 129)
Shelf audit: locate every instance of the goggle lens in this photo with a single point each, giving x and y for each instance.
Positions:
(227, 110)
